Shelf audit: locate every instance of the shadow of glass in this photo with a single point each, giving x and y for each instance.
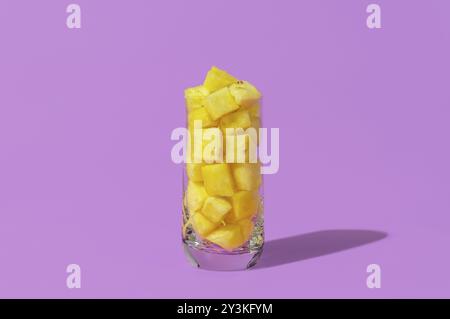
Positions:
(300, 247)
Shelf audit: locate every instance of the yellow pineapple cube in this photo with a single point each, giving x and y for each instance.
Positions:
(246, 228)
(238, 119)
(195, 196)
(190, 149)
(218, 180)
(228, 237)
(253, 109)
(212, 145)
(256, 123)
(215, 208)
(201, 114)
(205, 145)
(194, 152)
(230, 218)
(247, 176)
(194, 172)
(237, 148)
(217, 79)
(220, 103)
(244, 93)
(195, 97)
(245, 204)
(241, 147)
(202, 225)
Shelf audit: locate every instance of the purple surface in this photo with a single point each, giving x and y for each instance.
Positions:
(85, 169)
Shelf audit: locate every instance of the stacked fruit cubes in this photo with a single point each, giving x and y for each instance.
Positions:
(222, 195)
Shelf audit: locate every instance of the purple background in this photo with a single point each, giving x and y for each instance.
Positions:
(85, 122)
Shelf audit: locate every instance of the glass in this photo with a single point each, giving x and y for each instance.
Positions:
(215, 236)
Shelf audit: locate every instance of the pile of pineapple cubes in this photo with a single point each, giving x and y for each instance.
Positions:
(222, 197)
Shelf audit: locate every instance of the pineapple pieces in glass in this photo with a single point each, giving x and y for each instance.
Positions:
(222, 193)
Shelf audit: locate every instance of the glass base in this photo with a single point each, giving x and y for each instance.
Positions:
(218, 261)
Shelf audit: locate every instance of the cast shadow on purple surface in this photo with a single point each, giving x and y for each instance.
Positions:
(305, 246)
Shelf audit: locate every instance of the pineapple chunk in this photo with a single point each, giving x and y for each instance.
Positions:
(247, 176)
(215, 208)
(241, 147)
(194, 172)
(205, 145)
(212, 145)
(246, 228)
(201, 114)
(244, 93)
(196, 196)
(230, 218)
(256, 123)
(245, 204)
(202, 225)
(253, 110)
(193, 152)
(218, 180)
(195, 97)
(228, 237)
(217, 79)
(220, 103)
(238, 119)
